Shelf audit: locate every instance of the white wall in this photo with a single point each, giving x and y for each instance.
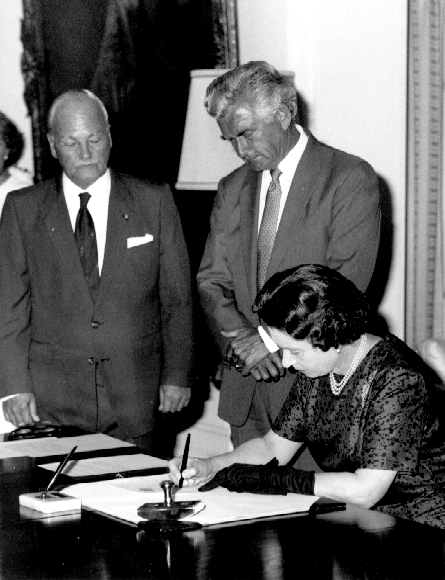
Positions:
(349, 59)
(11, 81)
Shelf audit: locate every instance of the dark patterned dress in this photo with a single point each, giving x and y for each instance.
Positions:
(383, 419)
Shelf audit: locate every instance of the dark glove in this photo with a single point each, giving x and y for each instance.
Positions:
(242, 477)
(269, 478)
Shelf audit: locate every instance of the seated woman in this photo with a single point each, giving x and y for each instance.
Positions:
(359, 402)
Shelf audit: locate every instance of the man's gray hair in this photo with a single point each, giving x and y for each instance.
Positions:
(61, 99)
(256, 81)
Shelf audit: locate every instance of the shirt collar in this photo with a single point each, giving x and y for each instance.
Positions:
(289, 164)
(72, 190)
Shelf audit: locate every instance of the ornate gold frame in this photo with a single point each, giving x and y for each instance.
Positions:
(226, 33)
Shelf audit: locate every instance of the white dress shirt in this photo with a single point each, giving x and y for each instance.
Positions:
(97, 206)
(288, 167)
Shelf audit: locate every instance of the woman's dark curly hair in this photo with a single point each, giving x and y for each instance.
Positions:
(315, 303)
(13, 140)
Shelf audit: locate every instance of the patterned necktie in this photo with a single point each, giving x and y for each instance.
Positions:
(268, 228)
(85, 236)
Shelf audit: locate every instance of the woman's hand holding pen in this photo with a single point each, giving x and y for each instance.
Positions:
(198, 471)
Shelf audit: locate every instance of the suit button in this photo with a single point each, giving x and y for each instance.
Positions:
(95, 324)
(91, 361)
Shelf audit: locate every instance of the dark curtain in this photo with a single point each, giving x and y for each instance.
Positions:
(136, 55)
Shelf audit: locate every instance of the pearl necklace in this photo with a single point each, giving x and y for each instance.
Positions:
(337, 388)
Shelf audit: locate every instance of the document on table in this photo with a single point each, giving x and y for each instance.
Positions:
(104, 465)
(47, 446)
(121, 499)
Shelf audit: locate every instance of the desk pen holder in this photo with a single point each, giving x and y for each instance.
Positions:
(169, 510)
(51, 502)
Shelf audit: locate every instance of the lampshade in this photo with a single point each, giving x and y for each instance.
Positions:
(205, 157)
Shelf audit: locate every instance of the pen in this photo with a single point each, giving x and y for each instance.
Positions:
(58, 472)
(184, 460)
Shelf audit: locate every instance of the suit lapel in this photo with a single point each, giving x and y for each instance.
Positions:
(249, 209)
(120, 216)
(57, 221)
(303, 183)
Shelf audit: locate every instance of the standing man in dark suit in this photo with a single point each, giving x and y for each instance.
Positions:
(294, 201)
(97, 336)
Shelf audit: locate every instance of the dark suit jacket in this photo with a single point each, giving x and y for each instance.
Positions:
(139, 329)
(331, 217)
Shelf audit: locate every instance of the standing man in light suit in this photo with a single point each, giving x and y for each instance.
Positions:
(294, 201)
(95, 293)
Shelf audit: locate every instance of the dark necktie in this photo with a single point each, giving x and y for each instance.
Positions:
(268, 228)
(85, 236)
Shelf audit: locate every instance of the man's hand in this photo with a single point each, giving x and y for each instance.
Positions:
(173, 398)
(269, 368)
(21, 409)
(250, 355)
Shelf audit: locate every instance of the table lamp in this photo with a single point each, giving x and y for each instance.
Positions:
(205, 157)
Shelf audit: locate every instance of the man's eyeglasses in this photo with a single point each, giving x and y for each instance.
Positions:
(42, 430)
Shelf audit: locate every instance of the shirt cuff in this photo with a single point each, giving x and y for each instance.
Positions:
(271, 346)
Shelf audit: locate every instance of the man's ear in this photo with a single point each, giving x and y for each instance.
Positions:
(51, 145)
(284, 116)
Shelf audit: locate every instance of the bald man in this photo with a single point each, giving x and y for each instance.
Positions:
(95, 293)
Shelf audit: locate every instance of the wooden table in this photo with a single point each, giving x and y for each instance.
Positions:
(354, 544)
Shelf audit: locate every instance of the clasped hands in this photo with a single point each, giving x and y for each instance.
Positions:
(249, 355)
(270, 478)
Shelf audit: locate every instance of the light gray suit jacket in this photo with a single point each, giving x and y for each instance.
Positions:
(331, 217)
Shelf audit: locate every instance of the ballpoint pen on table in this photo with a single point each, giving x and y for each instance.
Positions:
(58, 472)
(184, 460)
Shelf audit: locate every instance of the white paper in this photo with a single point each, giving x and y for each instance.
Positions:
(47, 446)
(122, 498)
(7, 452)
(104, 465)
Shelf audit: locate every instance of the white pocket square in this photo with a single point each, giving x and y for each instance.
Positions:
(139, 240)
